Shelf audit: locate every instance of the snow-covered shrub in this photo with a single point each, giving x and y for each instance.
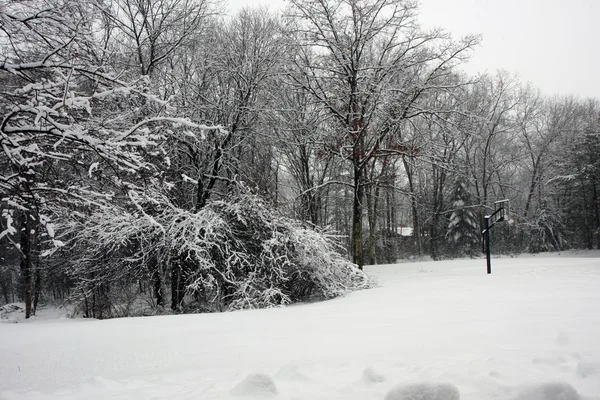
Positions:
(545, 232)
(12, 312)
(248, 256)
(229, 255)
(109, 255)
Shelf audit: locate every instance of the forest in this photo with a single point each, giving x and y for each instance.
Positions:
(158, 156)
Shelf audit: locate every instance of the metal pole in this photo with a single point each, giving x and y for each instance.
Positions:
(487, 244)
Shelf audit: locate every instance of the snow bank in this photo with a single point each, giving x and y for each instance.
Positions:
(549, 391)
(588, 369)
(370, 376)
(424, 391)
(256, 385)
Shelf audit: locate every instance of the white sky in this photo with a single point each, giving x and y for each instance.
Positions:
(554, 44)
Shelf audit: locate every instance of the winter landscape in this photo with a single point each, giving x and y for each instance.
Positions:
(295, 202)
(528, 331)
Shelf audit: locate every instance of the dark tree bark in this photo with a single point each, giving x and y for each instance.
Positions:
(157, 283)
(357, 246)
(414, 206)
(38, 288)
(25, 248)
(176, 279)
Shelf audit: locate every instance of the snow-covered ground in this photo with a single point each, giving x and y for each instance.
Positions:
(529, 331)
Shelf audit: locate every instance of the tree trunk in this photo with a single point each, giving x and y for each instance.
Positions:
(26, 263)
(357, 248)
(157, 285)
(532, 186)
(369, 198)
(596, 202)
(4, 287)
(38, 287)
(391, 226)
(414, 207)
(372, 207)
(175, 284)
(439, 180)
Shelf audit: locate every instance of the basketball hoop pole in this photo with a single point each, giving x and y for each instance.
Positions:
(488, 223)
(488, 251)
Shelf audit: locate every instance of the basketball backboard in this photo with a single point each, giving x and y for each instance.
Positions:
(502, 210)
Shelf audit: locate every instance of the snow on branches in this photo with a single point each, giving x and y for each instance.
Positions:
(73, 130)
(230, 255)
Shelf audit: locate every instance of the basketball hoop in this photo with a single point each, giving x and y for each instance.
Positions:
(502, 211)
(501, 214)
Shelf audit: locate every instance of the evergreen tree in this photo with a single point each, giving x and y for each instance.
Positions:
(463, 227)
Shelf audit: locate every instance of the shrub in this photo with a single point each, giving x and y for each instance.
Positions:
(230, 255)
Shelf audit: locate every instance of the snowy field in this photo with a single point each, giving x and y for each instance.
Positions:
(529, 331)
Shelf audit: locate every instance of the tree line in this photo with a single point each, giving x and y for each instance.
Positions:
(155, 148)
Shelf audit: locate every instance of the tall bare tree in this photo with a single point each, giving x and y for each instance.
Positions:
(368, 64)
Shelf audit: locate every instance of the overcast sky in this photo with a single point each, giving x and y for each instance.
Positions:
(554, 44)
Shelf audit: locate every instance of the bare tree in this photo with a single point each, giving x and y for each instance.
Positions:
(230, 91)
(368, 64)
(149, 32)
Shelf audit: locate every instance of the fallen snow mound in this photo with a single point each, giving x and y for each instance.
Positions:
(549, 391)
(256, 385)
(371, 376)
(291, 372)
(586, 369)
(424, 391)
